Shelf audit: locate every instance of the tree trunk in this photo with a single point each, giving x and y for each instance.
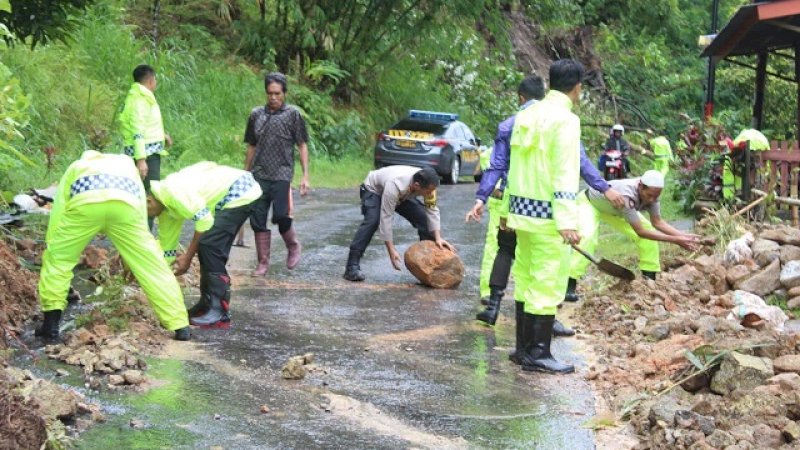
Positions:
(156, 17)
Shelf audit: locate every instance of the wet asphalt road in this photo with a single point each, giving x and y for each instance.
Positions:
(398, 365)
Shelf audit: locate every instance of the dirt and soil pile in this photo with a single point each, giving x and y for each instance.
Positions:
(18, 299)
(699, 359)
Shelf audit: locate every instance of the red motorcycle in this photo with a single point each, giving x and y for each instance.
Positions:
(613, 164)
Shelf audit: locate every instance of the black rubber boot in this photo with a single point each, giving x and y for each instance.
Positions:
(73, 296)
(183, 334)
(519, 308)
(561, 330)
(219, 294)
(572, 294)
(353, 269)
(537, 356)
(484, 301)
(489, 315)
(49, 328)
(649, 275)
(202, 306)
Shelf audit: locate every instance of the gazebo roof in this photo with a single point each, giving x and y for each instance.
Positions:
(756, 28)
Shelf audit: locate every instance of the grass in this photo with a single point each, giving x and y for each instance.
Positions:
(346, 172)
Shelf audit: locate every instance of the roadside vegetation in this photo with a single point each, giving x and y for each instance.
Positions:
(354, 68)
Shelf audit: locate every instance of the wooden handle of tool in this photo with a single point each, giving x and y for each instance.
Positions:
(587, 255)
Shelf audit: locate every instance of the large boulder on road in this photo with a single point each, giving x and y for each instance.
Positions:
(433, 266)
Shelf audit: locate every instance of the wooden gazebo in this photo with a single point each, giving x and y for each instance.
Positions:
(766, 29)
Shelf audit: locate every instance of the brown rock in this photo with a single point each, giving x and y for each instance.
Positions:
(738, 273)
(94, 257)
(25, 245)
(784, 235)
(433, 266)
(791, 432)
(81, 336)
(294, 370)
(133, 377)
(793, 292)
(793, 303)
(116, 380)
(789, 253)
(740, 371)
(789, 381)
(264, 409)
(764, 281)
(54, 401)
(787, 363)
(766, 251)
(767, 436)
(668, 355)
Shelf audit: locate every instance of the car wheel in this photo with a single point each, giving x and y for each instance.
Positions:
(455, 171)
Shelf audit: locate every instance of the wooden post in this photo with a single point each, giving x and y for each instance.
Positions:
(761, 83)
(797, 79)
(793, 194)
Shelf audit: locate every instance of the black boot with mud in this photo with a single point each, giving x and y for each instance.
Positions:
(218, 298)
(649, 274)
(489, 315)
(572, 293)
(202, 306)
(183, 334)
(561, 330)
(354, 273)
(537, 356)
(49, 329)
(353, 269)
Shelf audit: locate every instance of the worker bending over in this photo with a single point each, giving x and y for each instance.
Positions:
(103, 193)
(641, 194)
(218, 199)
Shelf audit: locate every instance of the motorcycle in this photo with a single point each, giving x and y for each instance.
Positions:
(613, 164)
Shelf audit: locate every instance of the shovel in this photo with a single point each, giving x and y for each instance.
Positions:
(613, 269)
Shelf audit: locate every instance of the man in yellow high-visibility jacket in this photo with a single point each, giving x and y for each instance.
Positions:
(542, 187)
(104, 194)
(218, 207)
(662, 152)
(758, 143)
(142, 129)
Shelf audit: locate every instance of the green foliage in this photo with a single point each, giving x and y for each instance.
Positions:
(14, 117)
(114, 303)
(40, 21)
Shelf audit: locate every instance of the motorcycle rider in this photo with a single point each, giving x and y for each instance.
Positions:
(616, 142)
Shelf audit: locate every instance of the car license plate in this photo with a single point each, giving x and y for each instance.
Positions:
(405, 144)
(612, 163)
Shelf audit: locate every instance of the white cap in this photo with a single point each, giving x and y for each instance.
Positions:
(653, 179)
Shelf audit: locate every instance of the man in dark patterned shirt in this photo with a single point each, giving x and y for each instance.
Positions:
(272, 133)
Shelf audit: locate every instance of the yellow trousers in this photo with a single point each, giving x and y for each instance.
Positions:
(541, 270)
(589, 220)
(126, 227)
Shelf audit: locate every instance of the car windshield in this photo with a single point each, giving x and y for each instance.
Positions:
(419, 125)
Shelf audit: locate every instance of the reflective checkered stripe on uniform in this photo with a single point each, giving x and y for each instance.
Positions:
(239, 187)
(200, 214)
(149, 149)
(170, 253)
(561, 195)
(529, 207)
(104, 181)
